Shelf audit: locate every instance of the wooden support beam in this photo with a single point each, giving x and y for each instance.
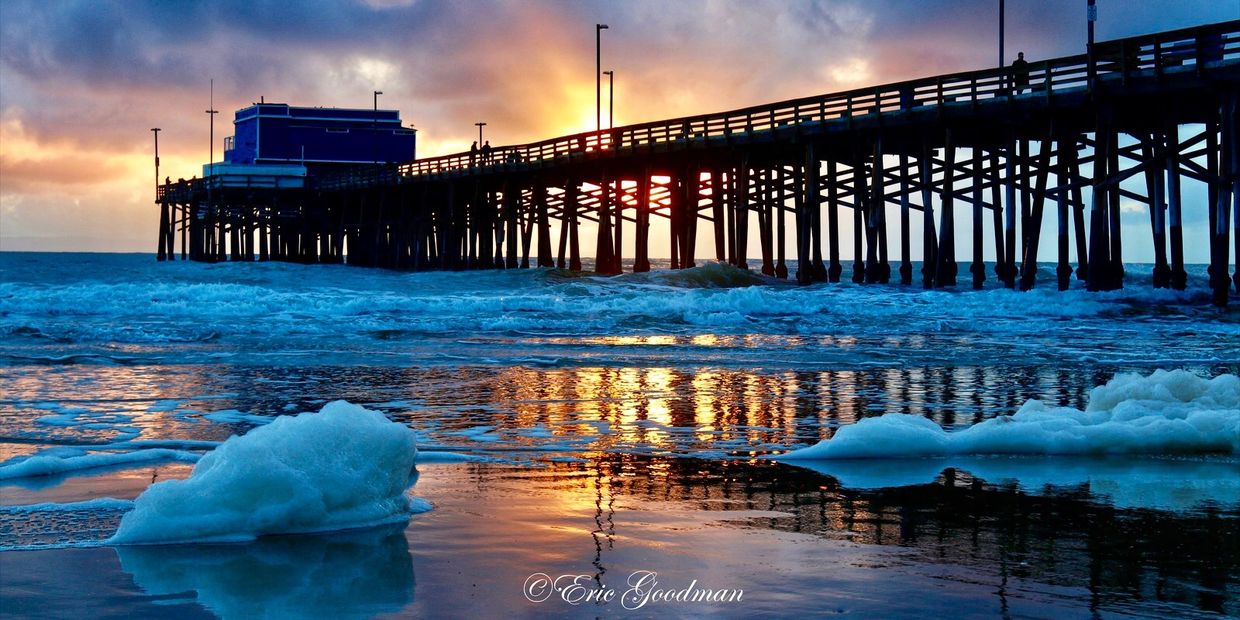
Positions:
(1179, 276)
(511, 197)
(880, 214)
(1226, 168)
(165, 240)
(1155, 189)
(604, 255)
(675, 215)
(906, 260)
(691, 184)
(1231, 159)
(525, 219)
(781, 266)
(833, 225)
(996, 200)
(1116, 276)
(929, 260)
(978, 266)
(716, 209)
(619, 194)
(730, 215)
(766, 191)
(641, 239)
(445, 226)
(1029, 262)
(1099, 244)
(744, 197)
(1078, 220)
(860, 221)
(945, 274)
(572, 192)
(545, 259)
(1063, 271)
(1026, 204)
(808, 187)
(489, 230)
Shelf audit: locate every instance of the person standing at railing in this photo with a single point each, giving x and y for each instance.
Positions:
(1020, 73)
(486, 153)
(473, 154)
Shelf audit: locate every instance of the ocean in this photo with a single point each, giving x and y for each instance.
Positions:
(608, 446)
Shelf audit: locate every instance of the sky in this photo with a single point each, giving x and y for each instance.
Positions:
(83, 82)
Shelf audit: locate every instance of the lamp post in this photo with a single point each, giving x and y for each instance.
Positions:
(155, 130)
(1001, 24)
(611, 98)
(211, 112)
(374, 130)
(598, 75)
(1091, 16)
(480, 126)
(214, 251)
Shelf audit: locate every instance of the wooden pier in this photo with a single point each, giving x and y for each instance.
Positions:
(1130, 121)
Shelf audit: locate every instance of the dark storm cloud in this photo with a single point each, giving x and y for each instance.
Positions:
(88, 79)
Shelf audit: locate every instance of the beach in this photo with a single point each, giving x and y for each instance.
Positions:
(613, 437)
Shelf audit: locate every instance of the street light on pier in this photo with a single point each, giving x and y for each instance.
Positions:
(1002, 19)
(611, 98)
(480, 126)
(211, 112)
(598, 75)
(155, 130)
(374, 131)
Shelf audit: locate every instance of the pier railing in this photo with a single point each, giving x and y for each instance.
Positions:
(1108, 63)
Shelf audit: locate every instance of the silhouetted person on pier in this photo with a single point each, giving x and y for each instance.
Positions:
(907, 98)
(1020, 73)
(486, 152)
(473, 154)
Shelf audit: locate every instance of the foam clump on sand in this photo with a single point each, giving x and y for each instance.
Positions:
(55, 465)
(341, 468)
(1167, 412)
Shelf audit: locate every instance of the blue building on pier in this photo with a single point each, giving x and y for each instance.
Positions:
(318, 139)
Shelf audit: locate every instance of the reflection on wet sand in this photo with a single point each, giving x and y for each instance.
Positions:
(1058, 535)
(355, 574)
(1078, 535)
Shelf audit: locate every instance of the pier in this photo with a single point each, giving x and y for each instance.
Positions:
(961, 154)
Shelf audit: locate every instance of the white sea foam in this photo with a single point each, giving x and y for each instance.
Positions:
(99, 504)
(52, 464)
(343, 467)
(440, 456)
(232, 416)
(1173, 412)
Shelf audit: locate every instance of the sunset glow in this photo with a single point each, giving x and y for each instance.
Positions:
(76, 108)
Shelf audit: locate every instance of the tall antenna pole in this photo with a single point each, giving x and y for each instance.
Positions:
(155, 130)
(598, 76)
(211, 112)
(1091, 15)
(1002, 19)
(374, 130)
(611, 99)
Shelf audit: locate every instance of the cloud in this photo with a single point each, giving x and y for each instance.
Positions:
(87, 79)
